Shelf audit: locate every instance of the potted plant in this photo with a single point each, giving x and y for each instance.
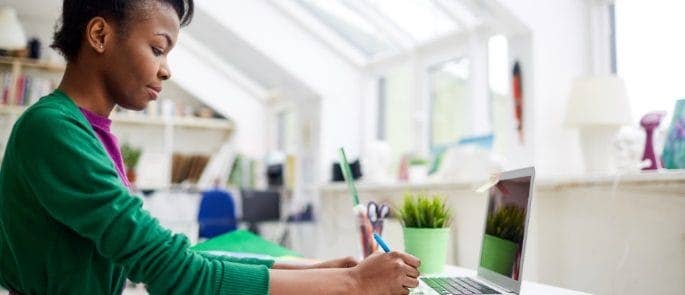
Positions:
(503, 235)
(426, 221)
(130, 155)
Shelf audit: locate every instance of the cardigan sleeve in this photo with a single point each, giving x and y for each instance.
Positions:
(256, 261)
(76, 183)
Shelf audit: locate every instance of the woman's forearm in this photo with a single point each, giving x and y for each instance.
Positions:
(335, 263)
(290, 266)
(312, 281)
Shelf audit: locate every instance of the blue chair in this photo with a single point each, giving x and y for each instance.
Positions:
(217, 213)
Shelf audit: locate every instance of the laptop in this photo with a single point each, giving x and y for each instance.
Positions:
(503, 244)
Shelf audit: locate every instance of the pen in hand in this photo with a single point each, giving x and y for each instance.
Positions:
(381, 243)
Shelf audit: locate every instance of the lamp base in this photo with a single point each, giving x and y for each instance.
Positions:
(596, 143)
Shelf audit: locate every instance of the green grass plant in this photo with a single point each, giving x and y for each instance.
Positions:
(421, 211)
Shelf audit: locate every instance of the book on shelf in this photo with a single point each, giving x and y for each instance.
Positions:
(198, 164)
(4, 88)
(27, 89)
(243, 172)
(187, 167)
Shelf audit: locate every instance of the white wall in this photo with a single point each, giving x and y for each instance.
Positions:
(306, 58)
(560, 53)
(204, 81)
(41, 27)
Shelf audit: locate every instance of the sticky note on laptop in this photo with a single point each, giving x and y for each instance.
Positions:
(494, 179)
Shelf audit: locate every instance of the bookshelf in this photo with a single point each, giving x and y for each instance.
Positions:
(11, 110)
(163, 136)
(178, 122)
(22, 82)
(34, 64)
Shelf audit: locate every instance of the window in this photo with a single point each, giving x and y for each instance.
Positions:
(650, 53)
(395, 110)
(450, 102)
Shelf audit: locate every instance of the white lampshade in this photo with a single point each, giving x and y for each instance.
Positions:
(12, 36)
(598, 101)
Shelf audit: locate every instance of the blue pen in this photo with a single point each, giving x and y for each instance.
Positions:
(381, 243)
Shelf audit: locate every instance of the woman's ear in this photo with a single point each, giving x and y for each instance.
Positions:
(98, 33)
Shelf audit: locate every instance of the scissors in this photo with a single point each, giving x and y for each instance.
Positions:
(376, 215)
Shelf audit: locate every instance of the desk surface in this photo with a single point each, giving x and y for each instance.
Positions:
(527, 288)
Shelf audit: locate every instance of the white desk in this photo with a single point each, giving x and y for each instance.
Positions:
(527, 288)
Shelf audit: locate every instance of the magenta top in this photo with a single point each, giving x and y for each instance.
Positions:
(102, 125)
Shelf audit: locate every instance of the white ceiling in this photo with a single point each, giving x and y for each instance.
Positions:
(237, 52)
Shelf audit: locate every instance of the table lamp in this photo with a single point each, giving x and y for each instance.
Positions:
(12, 35)
(598, 107)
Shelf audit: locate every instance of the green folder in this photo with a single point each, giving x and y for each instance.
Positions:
(244, 241)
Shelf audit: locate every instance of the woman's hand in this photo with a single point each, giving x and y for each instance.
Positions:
(386, 273)
(379, 274)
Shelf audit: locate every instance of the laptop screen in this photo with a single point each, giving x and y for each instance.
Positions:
(505, 227)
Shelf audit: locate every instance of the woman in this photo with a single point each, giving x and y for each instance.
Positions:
(68, 223)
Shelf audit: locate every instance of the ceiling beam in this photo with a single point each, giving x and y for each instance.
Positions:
(452, 16)
(449, 41)
(397, 36)
(494, 13)
(320, 31)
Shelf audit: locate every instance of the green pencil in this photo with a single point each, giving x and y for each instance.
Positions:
(347, 174)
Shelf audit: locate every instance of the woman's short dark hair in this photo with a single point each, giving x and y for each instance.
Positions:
(77, 13)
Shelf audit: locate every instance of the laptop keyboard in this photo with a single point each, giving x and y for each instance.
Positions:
(448, 286)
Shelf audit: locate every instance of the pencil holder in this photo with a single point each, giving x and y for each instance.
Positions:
(365, 231)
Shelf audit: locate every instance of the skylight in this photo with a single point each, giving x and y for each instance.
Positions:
(456, 9)
(420, 18)
(349, 24)
(381, 28)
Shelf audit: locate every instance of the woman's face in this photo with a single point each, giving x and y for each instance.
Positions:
(136, 64)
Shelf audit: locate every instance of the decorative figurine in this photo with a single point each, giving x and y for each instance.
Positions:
(650, 122)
